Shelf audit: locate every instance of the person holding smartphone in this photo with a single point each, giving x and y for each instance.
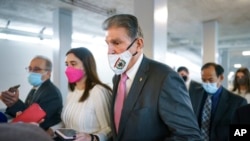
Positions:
(88, 102)
(43, 92)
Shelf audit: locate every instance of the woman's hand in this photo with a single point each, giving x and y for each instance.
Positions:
(83, 137)
(50, 132)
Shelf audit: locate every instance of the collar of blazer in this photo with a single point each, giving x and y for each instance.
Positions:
(41, 89)
(223, 106)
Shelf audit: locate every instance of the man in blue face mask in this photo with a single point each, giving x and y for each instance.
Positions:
(43, 92)
(213, 104)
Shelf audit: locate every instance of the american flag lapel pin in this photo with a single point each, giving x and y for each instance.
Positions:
(140, 79)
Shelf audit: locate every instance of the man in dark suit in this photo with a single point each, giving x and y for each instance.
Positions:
(223, 103)
(190, 84)
(157, 106)
(44, 92)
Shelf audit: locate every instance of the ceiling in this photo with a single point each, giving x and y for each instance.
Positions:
(184, 23)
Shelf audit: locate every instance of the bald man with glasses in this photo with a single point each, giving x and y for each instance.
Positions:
(43, 92)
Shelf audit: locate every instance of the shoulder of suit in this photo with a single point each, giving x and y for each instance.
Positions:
(233, 96)
(50, 87)
(195, 82)
(245, 108)
(159, 66)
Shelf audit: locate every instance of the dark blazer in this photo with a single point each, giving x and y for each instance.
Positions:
(157, 107)
(49, 98)
(242, 115)
(193, 86)
(227, 105)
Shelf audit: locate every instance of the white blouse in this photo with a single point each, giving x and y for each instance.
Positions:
(92, 115)
(243, 94)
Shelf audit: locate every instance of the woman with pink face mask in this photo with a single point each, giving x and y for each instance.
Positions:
(88, 102)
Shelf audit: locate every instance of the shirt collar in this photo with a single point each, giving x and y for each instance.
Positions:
(188, 82)
(132, 71)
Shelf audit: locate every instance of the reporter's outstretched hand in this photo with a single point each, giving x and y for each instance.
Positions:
(10, 98)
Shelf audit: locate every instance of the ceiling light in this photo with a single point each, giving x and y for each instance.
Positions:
(245, 53)
(25, 29)
(161, 15)
(48, 32)
(230, 75)
(237, 65)
(93, 8)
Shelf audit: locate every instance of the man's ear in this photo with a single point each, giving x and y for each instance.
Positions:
(221, 77)
(140, 43)
(48, 74)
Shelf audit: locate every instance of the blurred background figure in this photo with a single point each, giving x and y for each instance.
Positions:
(242, 115)
(22, 131)
(241, 83)
(214, 105)
(190, 84)
(43, 92)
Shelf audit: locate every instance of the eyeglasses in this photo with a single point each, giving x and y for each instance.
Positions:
(35, 69)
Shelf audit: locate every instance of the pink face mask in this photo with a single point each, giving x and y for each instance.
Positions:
(73, 74)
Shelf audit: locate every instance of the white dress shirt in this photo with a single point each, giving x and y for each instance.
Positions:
(132, 72)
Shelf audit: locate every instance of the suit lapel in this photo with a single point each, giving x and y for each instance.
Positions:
(40, 90)
(221, 109)
(116, 80)
(197, 98)
(134, 93)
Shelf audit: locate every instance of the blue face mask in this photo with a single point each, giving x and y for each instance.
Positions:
(210, 88)
(35, 79)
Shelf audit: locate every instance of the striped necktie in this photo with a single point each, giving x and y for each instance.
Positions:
(206, 118)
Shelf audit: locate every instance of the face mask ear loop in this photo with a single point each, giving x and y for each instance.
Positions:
(131, 44)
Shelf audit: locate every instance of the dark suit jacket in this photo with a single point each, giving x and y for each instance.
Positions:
(157, 107)
(193, 86)
(242, 115)
(227, 105)
(49, 98)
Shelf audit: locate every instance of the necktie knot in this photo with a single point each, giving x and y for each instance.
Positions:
(124, 77)
(209, 96)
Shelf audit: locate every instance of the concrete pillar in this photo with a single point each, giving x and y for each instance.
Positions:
(152, 16)
(210, 41)
(224, 61)
(62, 20)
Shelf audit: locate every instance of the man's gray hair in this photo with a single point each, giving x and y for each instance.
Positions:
(48, 63)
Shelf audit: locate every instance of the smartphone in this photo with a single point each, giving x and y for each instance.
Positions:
(34, 113)
(13, 88)
(66, 133)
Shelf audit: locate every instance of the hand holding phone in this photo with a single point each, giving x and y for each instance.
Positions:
(34, 113)
(11, 96)
(66, 133)
(14, 88)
